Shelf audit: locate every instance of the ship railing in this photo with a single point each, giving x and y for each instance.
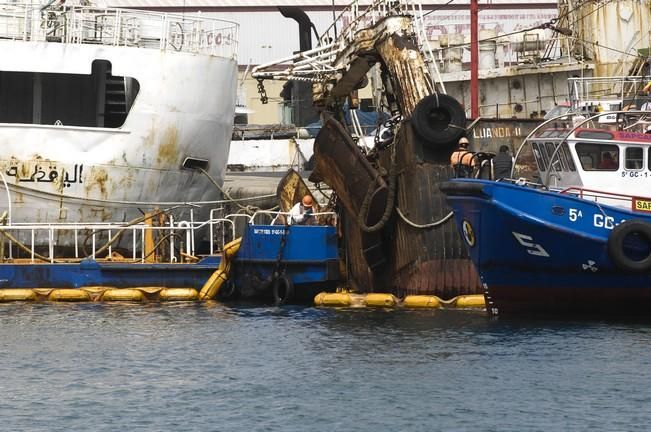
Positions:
(608, 93)
(280, 218)
(498, 52)
(319, 63)
(612, 198)
(356, 17)
(193, 33)
(91, 240)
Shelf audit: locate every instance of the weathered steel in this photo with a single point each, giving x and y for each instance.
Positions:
(432, 259)
(406, 66)
(341, 164)
(291, 189)
(405, 242)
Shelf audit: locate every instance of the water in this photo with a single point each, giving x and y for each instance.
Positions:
(210, 367)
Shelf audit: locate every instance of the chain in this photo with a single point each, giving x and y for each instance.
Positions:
(384, 135)
(279, 258)
(263, 93)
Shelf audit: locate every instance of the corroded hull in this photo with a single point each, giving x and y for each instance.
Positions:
(417, 250)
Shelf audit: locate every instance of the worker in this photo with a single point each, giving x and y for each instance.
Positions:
(462, 159)
(502, 163)
(301, 213)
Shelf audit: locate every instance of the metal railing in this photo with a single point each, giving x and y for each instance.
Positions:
(620, 92)
(96, 240)
(90, 240)
(600, 196)
(191, 33)
(276, 217)
(320, 63)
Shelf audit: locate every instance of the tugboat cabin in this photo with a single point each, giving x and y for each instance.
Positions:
(612, 166)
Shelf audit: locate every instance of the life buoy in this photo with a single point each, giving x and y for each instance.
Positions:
(439, 119)
(283, 290)
(616, 247)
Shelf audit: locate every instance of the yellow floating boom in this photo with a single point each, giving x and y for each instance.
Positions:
(133, 294)
(343, 299)
(214, 283)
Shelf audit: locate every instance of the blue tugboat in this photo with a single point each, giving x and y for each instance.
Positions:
(578, 240)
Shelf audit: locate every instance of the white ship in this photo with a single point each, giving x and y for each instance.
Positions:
(106, 113)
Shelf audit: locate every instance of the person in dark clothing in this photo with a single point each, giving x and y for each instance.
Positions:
(502, 163)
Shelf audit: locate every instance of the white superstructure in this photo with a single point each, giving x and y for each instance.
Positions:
(105, 112)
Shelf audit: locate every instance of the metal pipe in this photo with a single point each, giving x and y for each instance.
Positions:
(474, 59)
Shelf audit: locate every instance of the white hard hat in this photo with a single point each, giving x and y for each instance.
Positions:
(464, 140)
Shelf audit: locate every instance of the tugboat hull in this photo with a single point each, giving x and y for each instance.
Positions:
(541, 251)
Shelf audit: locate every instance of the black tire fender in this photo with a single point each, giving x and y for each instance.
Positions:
(283, 290)
(229, 291)
(616, 246)
(439, 119)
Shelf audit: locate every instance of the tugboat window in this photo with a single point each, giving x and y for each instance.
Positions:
(96, 100)
(568, 156)
(540, 155)
(634, 158)
(598, 157)
(555, 163)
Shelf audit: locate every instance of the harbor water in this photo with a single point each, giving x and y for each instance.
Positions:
(215, 367)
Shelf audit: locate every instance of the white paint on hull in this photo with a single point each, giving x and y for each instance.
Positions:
(184, 108)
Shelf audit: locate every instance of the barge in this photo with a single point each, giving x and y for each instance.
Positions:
(270, 262)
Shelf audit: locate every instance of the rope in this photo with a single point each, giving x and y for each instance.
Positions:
(390, 199)
(424, 226)
(249, 209)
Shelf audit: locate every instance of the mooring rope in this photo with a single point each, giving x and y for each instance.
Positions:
(390, 199)
(249, 209)
(424, 226)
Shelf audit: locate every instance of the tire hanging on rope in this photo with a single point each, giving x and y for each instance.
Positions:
(439, 119)
(283, 290)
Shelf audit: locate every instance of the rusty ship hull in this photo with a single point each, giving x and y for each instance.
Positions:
(417, 250)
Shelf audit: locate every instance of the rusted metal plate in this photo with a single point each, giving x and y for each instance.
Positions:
(488, 135)
(341, 164)
(291, 189)
(429, 256)
(407, 69)
(419, 260)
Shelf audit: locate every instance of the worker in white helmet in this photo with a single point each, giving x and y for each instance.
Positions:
(463, 160)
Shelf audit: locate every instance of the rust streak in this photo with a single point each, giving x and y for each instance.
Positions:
(168, 149)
